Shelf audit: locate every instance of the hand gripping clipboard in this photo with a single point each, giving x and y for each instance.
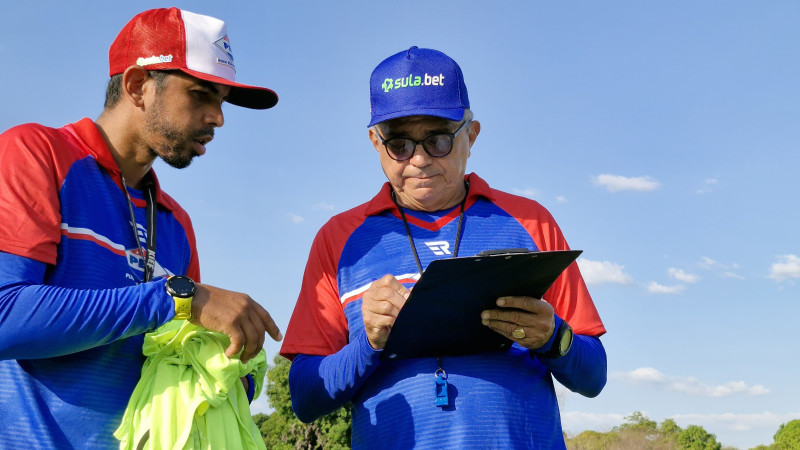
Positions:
(442, 316)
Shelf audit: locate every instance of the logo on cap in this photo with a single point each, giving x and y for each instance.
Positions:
(412, 80)
(224, 44)
(153, 60)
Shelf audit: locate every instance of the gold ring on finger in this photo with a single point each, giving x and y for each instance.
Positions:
(519, 333)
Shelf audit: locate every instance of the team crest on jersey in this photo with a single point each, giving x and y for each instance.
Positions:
(224, 44)
(136, 262)
(439, 248)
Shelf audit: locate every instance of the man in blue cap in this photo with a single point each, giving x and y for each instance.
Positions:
(364, 262)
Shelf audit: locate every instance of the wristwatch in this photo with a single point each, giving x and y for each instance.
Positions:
(182, 289)
(562, 342)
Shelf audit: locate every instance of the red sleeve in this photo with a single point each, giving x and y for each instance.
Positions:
(568, 294)
(318, 325)
(33, 163)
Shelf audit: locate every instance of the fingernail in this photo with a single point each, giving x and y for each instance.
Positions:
(485, 322)
(501, 301)
(485, 315)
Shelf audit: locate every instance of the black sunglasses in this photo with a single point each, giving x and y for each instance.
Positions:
(437, 145)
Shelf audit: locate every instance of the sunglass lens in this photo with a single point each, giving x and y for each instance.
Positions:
(402, 149)
(439, 145)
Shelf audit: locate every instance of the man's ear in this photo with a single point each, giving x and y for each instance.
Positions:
(375, 139)
(133, 82)
(474, 131)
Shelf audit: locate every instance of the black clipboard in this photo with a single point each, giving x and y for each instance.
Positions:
(442, 315)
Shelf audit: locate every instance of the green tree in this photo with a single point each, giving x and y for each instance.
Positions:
(638, 432)
(593, 440)
(639, 429)
(283, 431)
(695, 437)
(668, 434)
(788, 436)
(637, 422)
(669, 428)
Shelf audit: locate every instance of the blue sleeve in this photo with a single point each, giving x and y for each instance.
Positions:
(40, 321)
(251, 388)
(583, 369)
(320, 385)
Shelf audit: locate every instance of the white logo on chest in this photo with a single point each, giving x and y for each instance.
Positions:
(439, 248)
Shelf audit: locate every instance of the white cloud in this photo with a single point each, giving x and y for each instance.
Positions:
(724, 270)
(708, 186)
(732, 275)
(681, 275)
(561, 199)
(573, 422)
(655, 288)
(598, 272)
(322, 206)
(687, 385)
(295, 218)
(693, 387)
(616, 183)
(646, 374)
(527, 192)
(788, 267)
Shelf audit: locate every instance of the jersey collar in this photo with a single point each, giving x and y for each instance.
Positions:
(85, 130)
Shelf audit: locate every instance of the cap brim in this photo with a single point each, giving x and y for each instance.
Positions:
(454, 114)
(243, 95)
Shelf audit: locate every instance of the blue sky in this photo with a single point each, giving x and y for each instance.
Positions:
(662, 136)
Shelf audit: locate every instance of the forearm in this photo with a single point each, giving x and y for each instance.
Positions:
(583, 369)
(320, 385)
(39, 321)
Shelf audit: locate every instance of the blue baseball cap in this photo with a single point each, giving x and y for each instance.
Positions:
(417, 82)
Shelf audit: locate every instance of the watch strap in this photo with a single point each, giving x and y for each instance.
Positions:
(183, 308)
(182, 297)
(555, 349)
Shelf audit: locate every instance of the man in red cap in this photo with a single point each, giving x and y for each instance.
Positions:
(82, 218)
(437, 386)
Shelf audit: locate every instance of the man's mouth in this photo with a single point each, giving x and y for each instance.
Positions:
(200, 145)
(201, 141)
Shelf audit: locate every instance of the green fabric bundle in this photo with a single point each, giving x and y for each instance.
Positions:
(190, 395)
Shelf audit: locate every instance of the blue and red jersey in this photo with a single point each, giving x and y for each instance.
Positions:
(502, 399)
(72, 303)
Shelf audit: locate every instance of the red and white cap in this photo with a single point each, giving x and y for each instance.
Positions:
(174, 39)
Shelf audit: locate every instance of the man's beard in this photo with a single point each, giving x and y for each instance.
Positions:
(174, 150)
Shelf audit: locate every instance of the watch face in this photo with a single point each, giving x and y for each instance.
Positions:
(566, 341)
(181, 286)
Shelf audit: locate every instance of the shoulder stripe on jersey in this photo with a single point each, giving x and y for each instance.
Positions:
(89, 235)
(357, 293)
(133, 256)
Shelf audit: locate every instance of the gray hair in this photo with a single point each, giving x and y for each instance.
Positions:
(466, 118)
